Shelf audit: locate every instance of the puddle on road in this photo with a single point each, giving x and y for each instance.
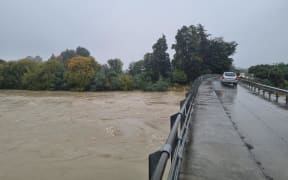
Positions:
(64, 135)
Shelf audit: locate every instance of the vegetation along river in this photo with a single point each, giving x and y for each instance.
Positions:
(87, 136)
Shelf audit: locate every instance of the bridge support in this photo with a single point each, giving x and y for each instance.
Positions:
(269, 96)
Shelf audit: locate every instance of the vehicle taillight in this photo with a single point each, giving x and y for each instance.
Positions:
(222, 77)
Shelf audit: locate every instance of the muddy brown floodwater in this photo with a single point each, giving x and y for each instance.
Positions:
(87, 136)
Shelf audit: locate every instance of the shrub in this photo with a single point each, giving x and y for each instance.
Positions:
(179, 77)
(158, 86)
(80, 72)
(126, 82)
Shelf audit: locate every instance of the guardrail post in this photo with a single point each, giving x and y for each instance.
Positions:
(174, 143)
(256, 88)
(153, 161)
(269, 96)
(181, 103)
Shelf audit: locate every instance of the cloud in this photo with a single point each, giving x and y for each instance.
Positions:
(127, 29)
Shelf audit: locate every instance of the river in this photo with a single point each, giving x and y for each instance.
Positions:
(82, 136)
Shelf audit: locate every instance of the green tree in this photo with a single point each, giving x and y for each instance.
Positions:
(14, 71)
(157, 64)
(276, 76)
(203, 48)
(149, 68)
(260, 71)
(196, 54)
(80, 72)
(46, 76)
(66, 55)
(81, 51)
(284, 69)
(161, 66)
(220, 51)
(187, 57)
(179, 77)
(100, 82)
(106, 79)
(53, 57)
(2, 61)
(139, 81)
(126, 82)
(115, 65)
(36, 58)
(136, 67)
(2, 69)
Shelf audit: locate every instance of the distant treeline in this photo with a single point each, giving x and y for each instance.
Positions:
(196, 53)
(274, 75)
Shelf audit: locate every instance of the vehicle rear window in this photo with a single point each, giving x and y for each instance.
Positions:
(230, 74)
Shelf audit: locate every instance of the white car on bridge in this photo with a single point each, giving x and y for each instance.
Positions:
(229, 78)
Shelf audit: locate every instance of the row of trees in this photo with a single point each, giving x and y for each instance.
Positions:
(79, 73)
(195, 54)
(274, 75)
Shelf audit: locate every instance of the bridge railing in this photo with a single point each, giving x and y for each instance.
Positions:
(269, 89)
(177, 138)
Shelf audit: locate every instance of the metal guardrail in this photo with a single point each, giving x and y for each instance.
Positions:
(177, 138)
(269, 89)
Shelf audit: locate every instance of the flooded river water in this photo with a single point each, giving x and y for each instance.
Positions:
(87, 136)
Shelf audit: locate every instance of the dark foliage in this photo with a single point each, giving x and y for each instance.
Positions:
(275, 75)
(195, 54)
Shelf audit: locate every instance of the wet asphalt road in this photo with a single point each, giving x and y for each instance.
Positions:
(263, 125)
(236, 135)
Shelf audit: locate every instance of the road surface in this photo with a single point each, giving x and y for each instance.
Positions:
(236, 135)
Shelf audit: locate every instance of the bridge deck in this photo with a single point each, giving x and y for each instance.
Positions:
(217, 151)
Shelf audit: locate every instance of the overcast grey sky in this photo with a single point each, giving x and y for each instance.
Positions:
(127, 29)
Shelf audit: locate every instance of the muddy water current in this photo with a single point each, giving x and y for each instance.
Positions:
(81, 136)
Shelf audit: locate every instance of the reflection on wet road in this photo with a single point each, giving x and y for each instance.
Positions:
(81, 136)
(262, 125)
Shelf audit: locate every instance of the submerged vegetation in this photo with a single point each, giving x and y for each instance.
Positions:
(196, 53)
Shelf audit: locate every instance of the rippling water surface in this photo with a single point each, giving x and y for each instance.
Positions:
(81, 136)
